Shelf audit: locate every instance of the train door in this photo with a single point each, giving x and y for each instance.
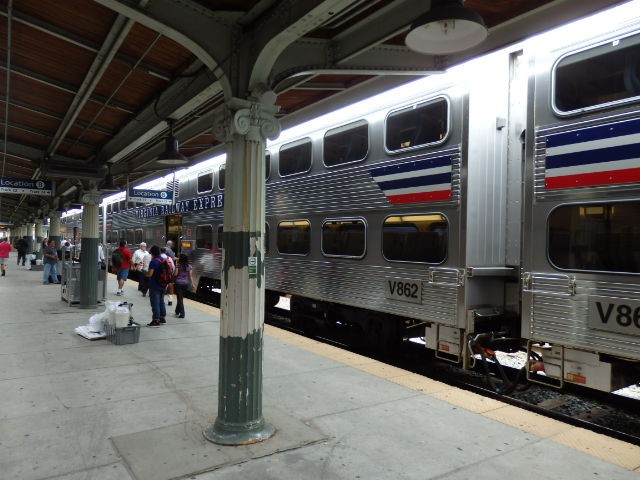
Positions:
(173, 229)
(581, 243)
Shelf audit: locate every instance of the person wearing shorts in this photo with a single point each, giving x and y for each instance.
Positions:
(123, 271)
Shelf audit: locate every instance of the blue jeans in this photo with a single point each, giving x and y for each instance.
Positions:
(156, 299)
(50, 269)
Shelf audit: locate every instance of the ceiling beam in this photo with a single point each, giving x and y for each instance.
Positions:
(79, 41)
(185, 94)
(119, 31)
(196, 28)
(64, 87)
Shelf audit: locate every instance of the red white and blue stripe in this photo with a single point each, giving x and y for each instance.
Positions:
(594, 156)
(417, 181)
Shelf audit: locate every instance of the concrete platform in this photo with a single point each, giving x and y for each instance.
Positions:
(74, 409)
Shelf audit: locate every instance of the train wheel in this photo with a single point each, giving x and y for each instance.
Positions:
(295, 310)
(382, 333)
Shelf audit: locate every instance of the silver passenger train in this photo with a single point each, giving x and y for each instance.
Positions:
(496, 206)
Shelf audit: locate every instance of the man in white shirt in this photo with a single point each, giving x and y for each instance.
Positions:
(140, 261)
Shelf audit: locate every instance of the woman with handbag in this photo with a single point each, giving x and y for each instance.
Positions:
(183, 282)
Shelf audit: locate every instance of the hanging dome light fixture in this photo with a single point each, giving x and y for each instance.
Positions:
(171, 155)
(448, 27)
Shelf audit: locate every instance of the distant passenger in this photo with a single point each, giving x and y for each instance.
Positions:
(125, 265)
(50, 263)
(21, 247)
(141, 260)
(172, 265)
(183, 282)
(5, 248)
(156, 290)
(169, 250)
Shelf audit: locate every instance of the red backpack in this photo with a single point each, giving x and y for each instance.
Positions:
(165, 273)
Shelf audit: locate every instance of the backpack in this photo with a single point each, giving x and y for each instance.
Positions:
(116, 258)
(165, 273)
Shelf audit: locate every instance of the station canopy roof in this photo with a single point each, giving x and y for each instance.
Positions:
(88, 88)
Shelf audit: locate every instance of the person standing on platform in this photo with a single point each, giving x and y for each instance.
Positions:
(183, 282)
(123, 268)
(100, 256)
(5, 248)
(21, 247)
(172, 267)
(168, 251)
(50, 262)
(141, 260)
(156, 290)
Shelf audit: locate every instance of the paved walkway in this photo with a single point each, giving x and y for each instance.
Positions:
(74, 409)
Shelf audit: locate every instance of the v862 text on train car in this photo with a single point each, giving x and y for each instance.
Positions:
(403, 289)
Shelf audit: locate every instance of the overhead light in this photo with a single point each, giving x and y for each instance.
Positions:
(109, 185)
(171, 155)
(447, 28)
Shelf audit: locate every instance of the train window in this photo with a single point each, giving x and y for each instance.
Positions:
(346, 144)
(122, 205)
(204, 236)
(598, 77)
(294, 237)
(602, 237)
(220, 235)
(108, 236)
(130, 237)
(267, 165)
(418, 125)
(295, 158)
(205, 182)
(115, 237)
(344, 238)
(221, 180)
(415, 238)
(137, 236)
(148, 235)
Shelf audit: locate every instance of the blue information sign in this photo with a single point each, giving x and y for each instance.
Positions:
(26, 186)
(157, 197)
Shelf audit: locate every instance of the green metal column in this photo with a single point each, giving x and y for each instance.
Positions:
(89, 251)
(39, 238)
(30, 247)
(54, 227)
(244, 125)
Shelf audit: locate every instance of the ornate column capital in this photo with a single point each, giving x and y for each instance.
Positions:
(254, 119)
(91, 198)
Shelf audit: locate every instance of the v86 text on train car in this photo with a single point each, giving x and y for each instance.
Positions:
(614, 314)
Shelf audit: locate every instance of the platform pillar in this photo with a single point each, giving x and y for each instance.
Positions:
(39, 238)
(89, 252)
(243, 126)
(29, 234)
(54, 228)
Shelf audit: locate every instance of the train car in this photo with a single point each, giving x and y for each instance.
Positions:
(581, 237)
(491, 207)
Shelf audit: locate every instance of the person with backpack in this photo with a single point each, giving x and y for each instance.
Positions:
(121, 262)
(172, 266)
(159, 277)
